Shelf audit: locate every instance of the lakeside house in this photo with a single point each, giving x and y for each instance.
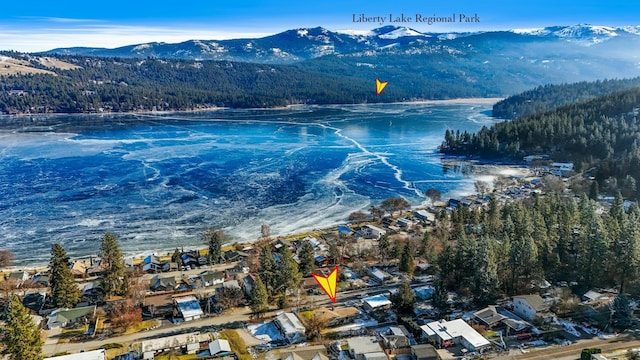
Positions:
(373, 232)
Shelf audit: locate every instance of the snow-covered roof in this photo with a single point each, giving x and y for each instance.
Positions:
(174, 341)
(449, 330)
(87, 355)
(290, 324)
(189, 307)
(219, 346)
(377, 301)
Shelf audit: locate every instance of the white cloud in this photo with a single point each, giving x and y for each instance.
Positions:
(87, 33)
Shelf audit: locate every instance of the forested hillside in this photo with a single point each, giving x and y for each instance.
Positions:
(153, 84)
(603, 132)
(549, 97)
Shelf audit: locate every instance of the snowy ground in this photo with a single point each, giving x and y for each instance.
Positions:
(265, 331)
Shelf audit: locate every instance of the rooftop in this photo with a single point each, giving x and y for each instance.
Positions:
(536, 301)
(364, 345)
(449, 330)
(290, 323)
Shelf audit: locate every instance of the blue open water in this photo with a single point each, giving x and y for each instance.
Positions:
(158, 180)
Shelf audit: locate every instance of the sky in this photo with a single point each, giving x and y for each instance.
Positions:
(38, 25)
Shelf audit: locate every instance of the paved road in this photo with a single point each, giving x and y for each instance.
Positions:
(572, 352)
(196, 325)
(238, 315)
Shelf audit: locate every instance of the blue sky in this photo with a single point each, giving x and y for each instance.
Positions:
(37, 25)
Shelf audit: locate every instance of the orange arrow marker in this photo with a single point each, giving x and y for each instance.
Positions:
(380, 85)
(328, 283)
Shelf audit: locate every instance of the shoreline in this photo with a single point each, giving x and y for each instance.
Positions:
(485, 170)
(455, 101)
(293, 233)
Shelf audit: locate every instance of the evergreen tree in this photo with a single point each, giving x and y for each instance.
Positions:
(259, 298)
(65, 292)
(21, 337)
(307, 258)
(214, 238)
(268, 269)
(404, 299)
(383, 247)
(486, 283)
(407, 264)
(622, 316)
(440, 296)
(625, 251)
(288, 275)
(334, 252)
(594, 191)
(114, 280)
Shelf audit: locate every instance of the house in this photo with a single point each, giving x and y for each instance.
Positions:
(365, 348)
(211, 278)
(167, 283)
(247, 283)
(290, 327)
(317, 352)
(188, 308)
(489, 317)
(159, 305)
(373, 232)
(153, 264)
(62, 318)
(396, 344)
(453, 203)
(84, 355)
(424, 292)
(320, 260)
(378, 302)
(34, 301)
(378, 275)
(591, 295)
(19, 277)
(425, 216)
(219, 347)
(231, 284)
(187, 343)
(338, 316)
(42, 279)
(404, 223)
(424, 352)
(97, 268)
(189, 259)
(446, 333)
(529, 306)
(234, 255)
(79, 269)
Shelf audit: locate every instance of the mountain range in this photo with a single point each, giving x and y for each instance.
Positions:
(309, 43)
